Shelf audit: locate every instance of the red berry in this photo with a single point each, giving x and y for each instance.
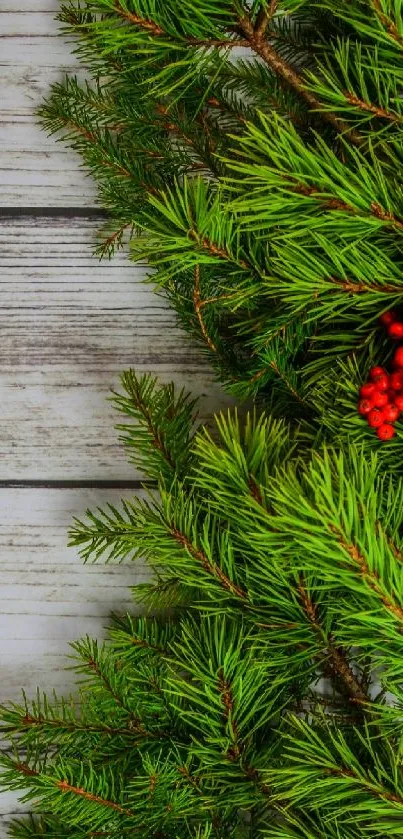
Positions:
(395, 330)
(379, 399)
(364, 406)
(390, 413)
(375, 372)
(375, 418)
(396, 381)
(382, 382)
(385, 432)
(388, 317)
(391, 395)
(368, 389)
(398, 357)
(399, 402)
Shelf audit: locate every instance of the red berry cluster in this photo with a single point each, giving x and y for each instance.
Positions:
(382, 396)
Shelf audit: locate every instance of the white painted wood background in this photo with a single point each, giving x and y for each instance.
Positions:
(68, 326)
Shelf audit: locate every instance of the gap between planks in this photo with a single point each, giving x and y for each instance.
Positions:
(73, 484)
(60, 213)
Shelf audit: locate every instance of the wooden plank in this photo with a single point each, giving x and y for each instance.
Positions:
(10, 809)
(35, 170)
(31, 20)
(48, 596)
(69, 325)
(28, 7)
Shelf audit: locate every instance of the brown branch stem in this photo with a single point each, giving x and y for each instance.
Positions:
(389, 24)
(207, 300)
(117, 234)
(134, 722)
(197, 302)
(216, 250)
(30, 720)
(345, 772)
(337, 662)
(156, 439)
(91, 138)
(156, 31)
(224, 687)
(175, 128)
(286, 72)
(64, 786)
(376, 110)
(286, 381)
(26, 770)
(209, 566)
(372, 578)
(215, 103)
(143, 23)
(264, 17)
(352, 287)
(314, 191)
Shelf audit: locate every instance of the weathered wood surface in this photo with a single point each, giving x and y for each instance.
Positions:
(68, 326)
(35, 171)
(48, 596)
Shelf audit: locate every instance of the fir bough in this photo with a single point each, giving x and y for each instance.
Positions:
(266, 700)
(252, 151)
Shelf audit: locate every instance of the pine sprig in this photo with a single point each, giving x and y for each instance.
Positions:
(156, 779)
(250, 154)
(159, 443)
(270, 693)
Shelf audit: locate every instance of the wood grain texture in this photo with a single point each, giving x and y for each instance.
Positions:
(69, 325)
(35, 170)
(48, 597)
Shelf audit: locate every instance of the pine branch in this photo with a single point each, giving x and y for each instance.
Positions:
(157, 31)
(148, 25)
(369, 576)
(206, 563)
(375, 796)
(333, 660)
(265, 193)
(165, 105)
(65, 787)
(198, 303)
(374, 109)
(286, 552)
(388, 23)
(263, 18)
(160, 441)
(264, 49)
